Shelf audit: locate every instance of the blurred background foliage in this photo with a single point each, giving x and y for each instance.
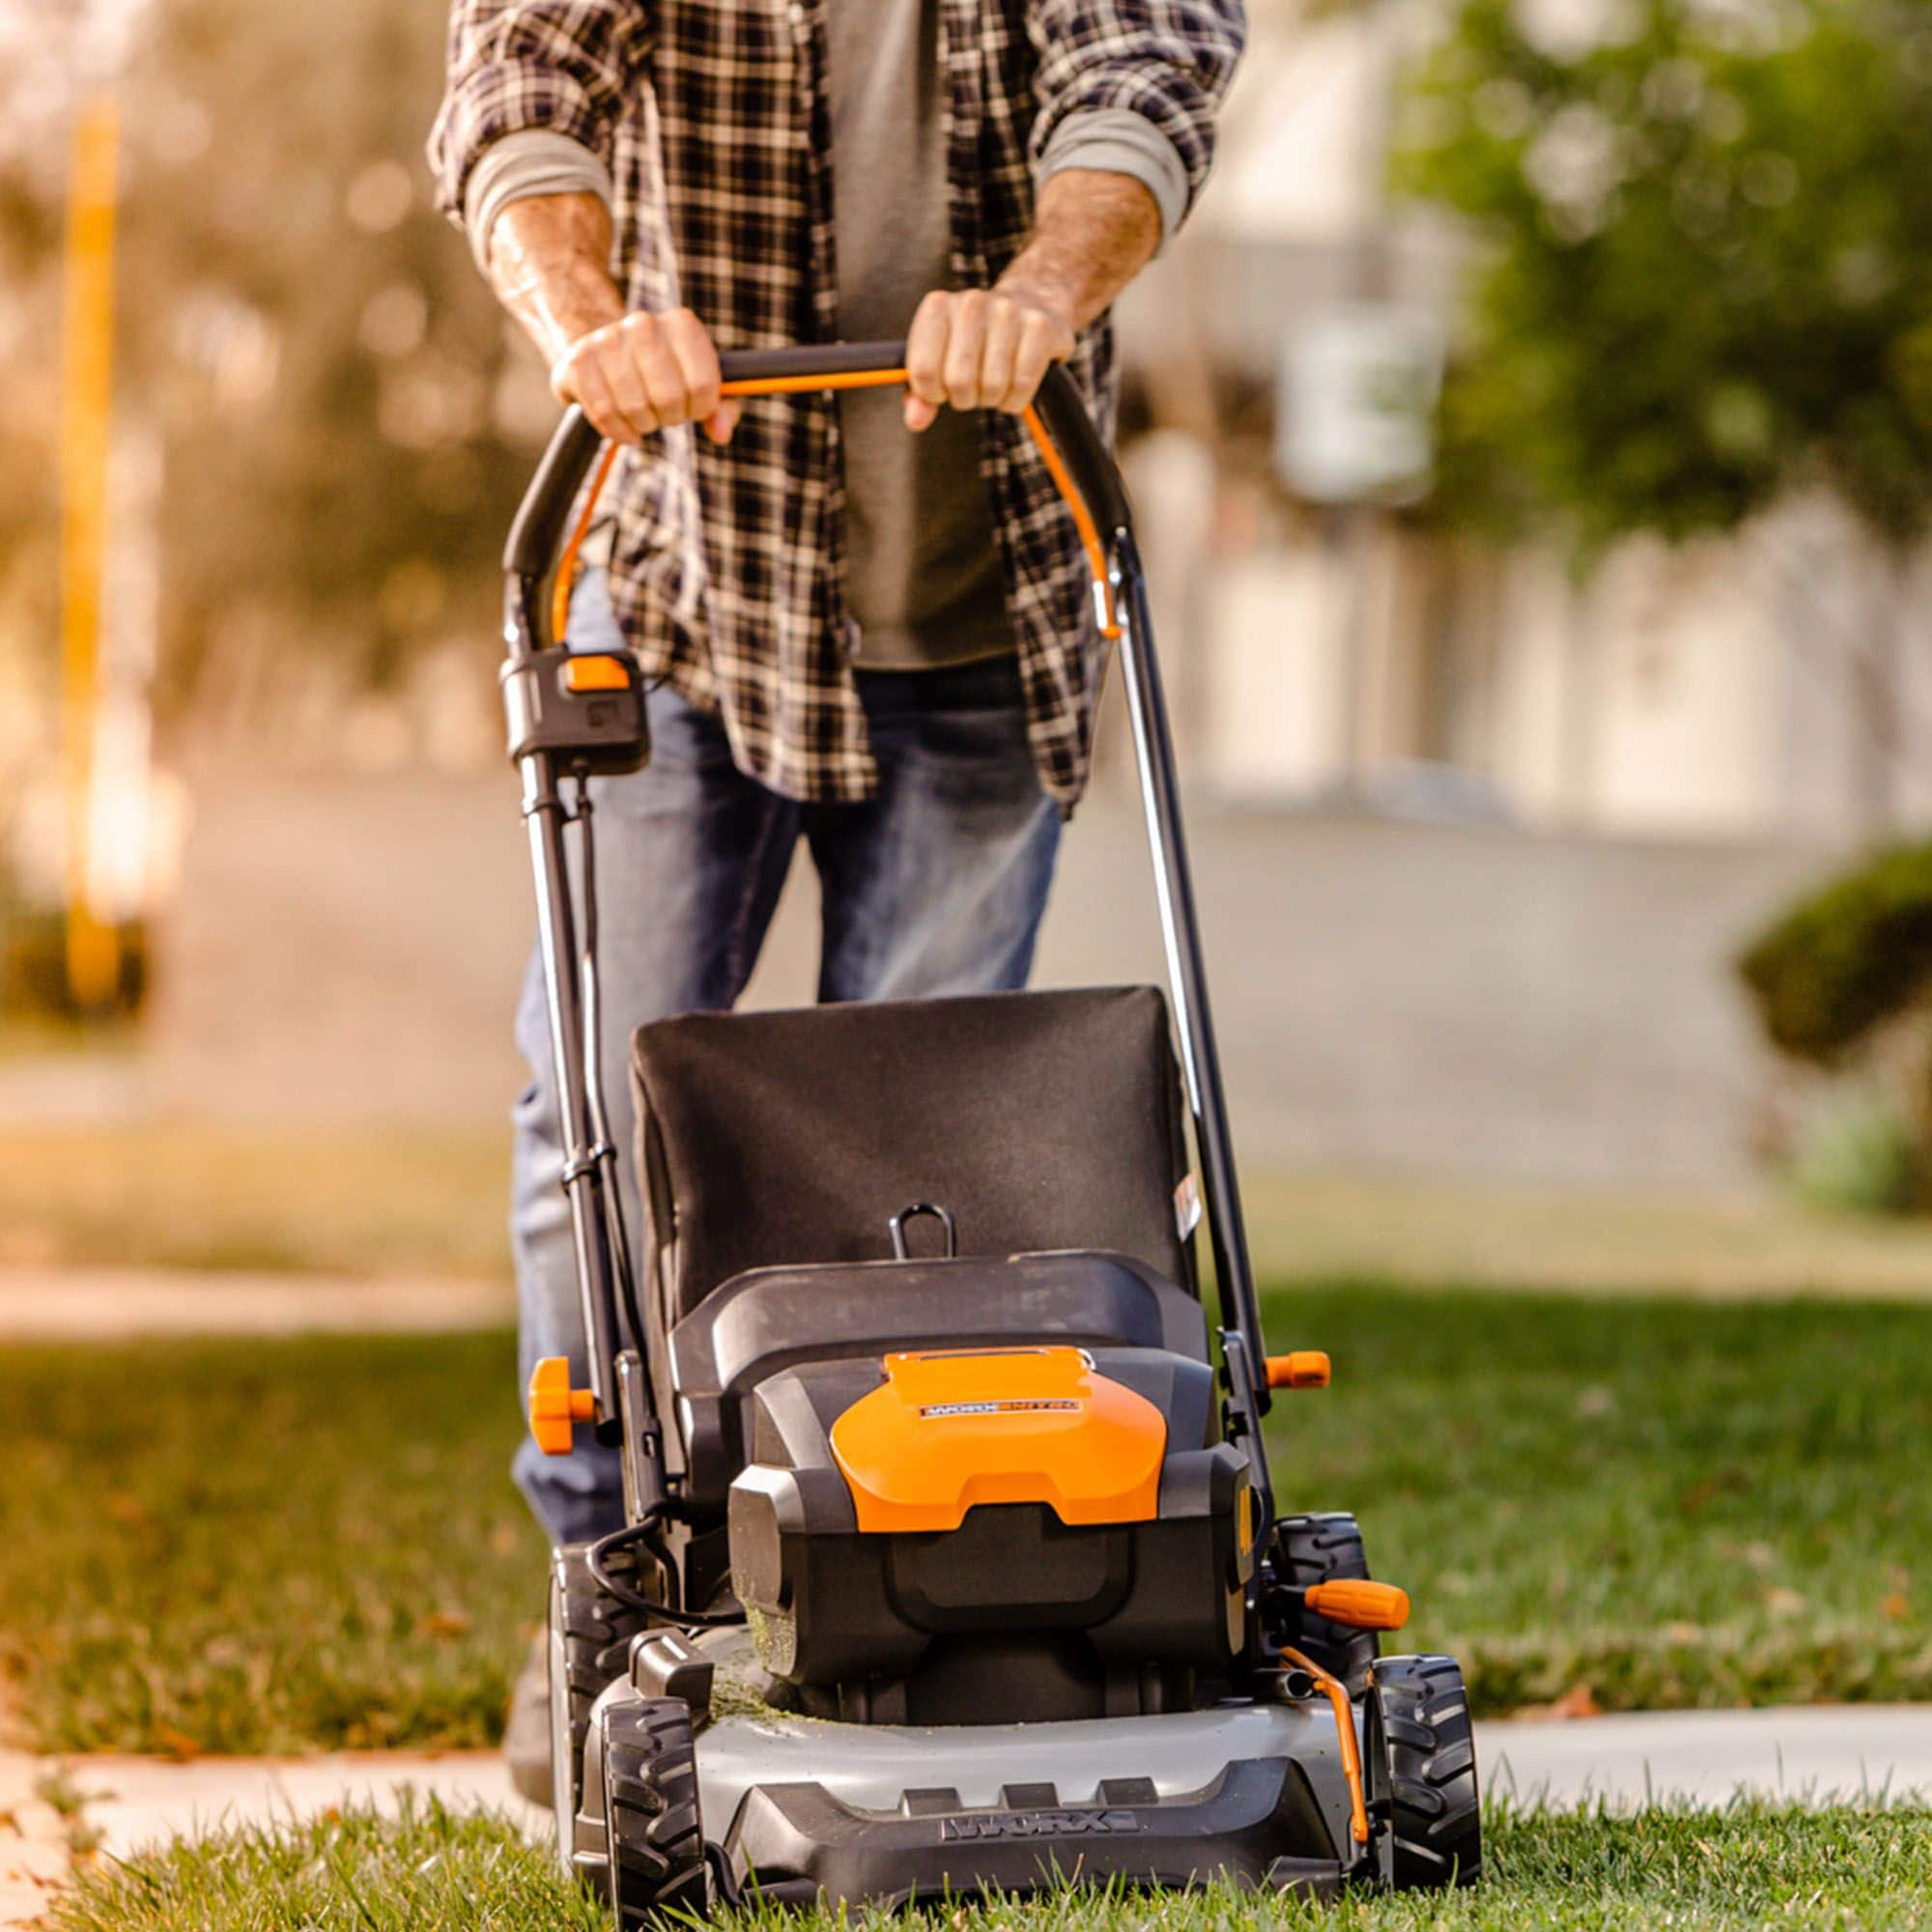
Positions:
(1704, 271)
(1703, 277)
(339, 416)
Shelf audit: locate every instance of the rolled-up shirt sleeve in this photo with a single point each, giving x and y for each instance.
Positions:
(1163, 65)
(1117, 141)
(565, 68)
(532, 161)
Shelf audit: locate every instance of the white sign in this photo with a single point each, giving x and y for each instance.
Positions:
(1354, 415)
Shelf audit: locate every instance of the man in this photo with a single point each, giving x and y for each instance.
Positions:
(875, 641)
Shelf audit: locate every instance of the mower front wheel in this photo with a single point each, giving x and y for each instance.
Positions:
(654, 1838)
(1421, 1712)
(590, 1635)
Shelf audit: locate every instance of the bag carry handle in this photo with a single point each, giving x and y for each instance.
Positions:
(932, 1210)
(1063, 432)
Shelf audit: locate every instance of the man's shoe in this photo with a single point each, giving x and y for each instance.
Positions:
(526, 1733)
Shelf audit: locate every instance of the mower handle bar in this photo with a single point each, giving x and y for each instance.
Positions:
(541, 517)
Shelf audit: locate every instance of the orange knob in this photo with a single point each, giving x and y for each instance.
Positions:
(595, 672)
(1358, 1603)
(554, 1406)
(1305, 1368)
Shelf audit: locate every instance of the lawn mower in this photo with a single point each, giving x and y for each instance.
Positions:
(952, 1557)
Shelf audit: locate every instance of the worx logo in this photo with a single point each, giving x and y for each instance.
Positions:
(1040, 1825)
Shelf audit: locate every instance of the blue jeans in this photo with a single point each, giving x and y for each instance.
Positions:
(936, 885)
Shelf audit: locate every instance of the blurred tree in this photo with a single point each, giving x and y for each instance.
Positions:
(330, 381)
(1705, 267)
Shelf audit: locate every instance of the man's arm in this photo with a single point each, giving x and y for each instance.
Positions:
(557, 73)
(1093, 233)
(633, 373)
(1129, 91)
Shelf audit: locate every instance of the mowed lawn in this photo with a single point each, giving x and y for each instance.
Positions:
(1749, 1868)
(228, 1546)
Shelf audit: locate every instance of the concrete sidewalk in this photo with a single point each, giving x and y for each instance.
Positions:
(1815, 1755)
(1685, 1759)
(109, 1304)
(132, 1801)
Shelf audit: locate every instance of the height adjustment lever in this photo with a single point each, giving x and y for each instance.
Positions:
(555, 1407)
(1303, 1369)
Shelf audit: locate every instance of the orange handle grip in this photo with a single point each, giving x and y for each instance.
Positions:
(855, 379)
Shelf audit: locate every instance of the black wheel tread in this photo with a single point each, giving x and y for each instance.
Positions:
(597, 1633)
(655, 1835)
(1437, 1820)
(1317, 1548)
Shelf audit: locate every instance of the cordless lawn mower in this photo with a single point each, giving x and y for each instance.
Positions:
(956, 1568)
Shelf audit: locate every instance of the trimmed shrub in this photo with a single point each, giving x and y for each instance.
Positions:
(1846, 960)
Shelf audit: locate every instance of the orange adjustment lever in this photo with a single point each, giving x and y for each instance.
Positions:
(1305, 1368)
(1345, 1741)
(1358, 1603)
(554, 1406)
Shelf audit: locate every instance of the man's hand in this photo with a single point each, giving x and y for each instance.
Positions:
(634, 374)
(643, 373)
(983, 350)
(989, 348)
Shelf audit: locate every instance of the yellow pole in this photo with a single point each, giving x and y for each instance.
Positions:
(93, 946)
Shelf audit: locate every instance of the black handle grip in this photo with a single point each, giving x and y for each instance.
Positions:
(1088, 460)
(829, 358)
(538, 527)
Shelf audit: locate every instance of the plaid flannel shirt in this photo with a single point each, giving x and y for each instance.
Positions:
(727, 564)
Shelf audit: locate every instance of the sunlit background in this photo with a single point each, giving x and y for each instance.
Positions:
(1531, 434)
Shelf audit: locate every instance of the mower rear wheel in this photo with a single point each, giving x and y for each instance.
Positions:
(653, 1835)
(1317, 1550)
(591, 1637)
(1436, 1818)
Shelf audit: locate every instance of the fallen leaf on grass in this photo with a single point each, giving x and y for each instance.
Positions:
(444, 1623)
(1725, 1481)
(1579, 1701)
(1895, 1603)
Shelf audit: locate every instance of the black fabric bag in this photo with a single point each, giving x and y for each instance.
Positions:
(1048, 1120)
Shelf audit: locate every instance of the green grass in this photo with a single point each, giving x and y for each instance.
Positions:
(239, 1546)
(1754, 1865)
(1673, 1502)
(246, 1547)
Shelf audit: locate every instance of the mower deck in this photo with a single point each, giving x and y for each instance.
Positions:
(805, 1806)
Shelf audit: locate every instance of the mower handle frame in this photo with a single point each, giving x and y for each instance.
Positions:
(1085, 471)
